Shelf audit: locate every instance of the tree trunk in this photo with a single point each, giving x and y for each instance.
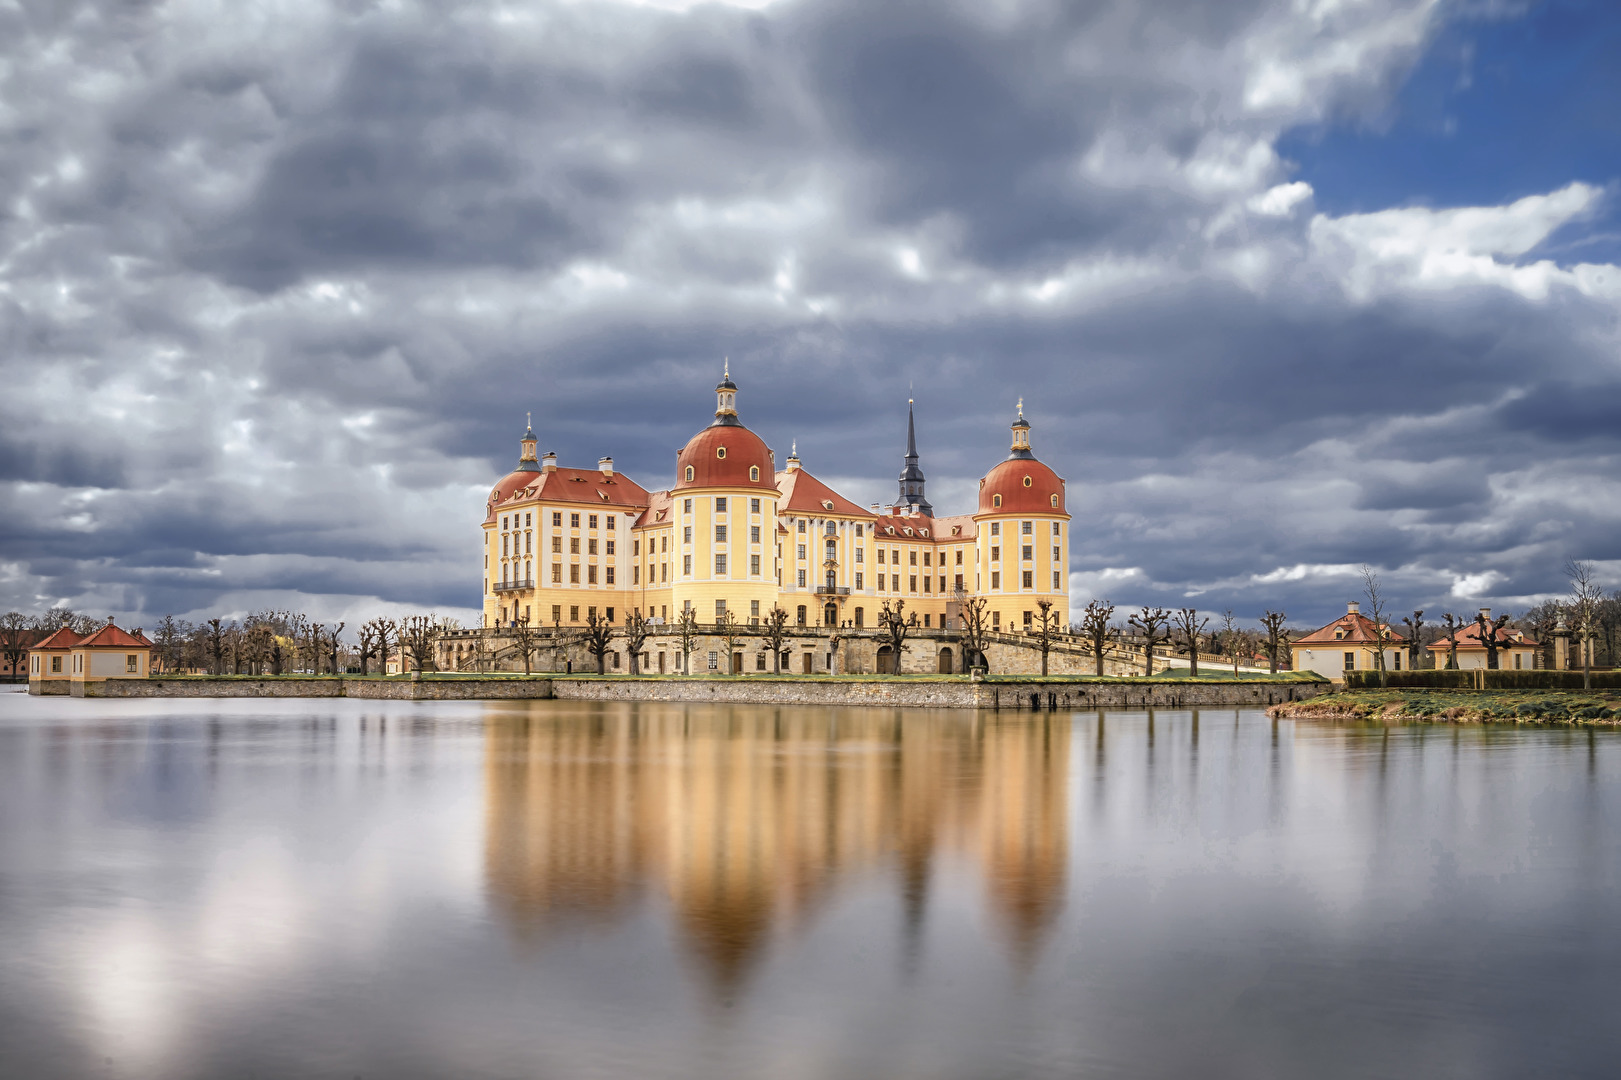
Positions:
(1099, 656)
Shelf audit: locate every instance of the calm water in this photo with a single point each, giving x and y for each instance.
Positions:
(341, 889)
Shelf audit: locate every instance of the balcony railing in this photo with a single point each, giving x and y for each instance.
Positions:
(831, 590)
(511, 586)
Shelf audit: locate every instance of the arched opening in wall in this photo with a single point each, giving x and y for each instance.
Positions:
(886, 660)
(830, 615)
(945, 662)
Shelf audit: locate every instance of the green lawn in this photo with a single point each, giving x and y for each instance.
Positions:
(1463, 706)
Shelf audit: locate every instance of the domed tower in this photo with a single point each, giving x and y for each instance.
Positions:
(725, 503)
(1023, 536)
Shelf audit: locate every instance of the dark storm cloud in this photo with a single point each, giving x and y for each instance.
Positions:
(276, 291)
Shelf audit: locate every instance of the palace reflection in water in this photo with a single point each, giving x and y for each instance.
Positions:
(746, 818)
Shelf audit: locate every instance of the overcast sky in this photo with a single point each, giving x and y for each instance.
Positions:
(1286, 286)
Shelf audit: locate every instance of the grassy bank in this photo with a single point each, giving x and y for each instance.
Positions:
(1461, 706)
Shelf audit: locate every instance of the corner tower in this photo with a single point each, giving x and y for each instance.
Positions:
(1023, 535)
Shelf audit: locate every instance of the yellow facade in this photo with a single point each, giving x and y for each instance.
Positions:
(737, 535)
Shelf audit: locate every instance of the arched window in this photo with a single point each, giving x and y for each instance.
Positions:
(754, 472)
(720, 451)
(689, 474)
(996, 500)
(1054, 499)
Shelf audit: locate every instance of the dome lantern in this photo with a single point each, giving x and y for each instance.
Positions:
(1021, 436)
(527, 462)
(726, 398)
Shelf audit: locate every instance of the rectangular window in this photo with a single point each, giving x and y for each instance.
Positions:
(609, 572)
(720, 505)
(557, 519)
(996, 528)
(635, 575)
(635, 547)
(754, 506)
(1058, 530)
(926, 558)
(754, 565)
(664, 571)
(574, 521)
(1027, 553)
(574, 545)
(801, 551)
(880, 556)
(996, 620)
(609, 613)
(528, 545)
(1026, 527)
(1056, 555)
(557, 572)
(925, 582)
(557, 544)
(942, 583)
(958, 581)
(574, 573)
(591, 546)
(911, 557)
(754, 609)
(591, 574)
(686, 506)
(574, 613)
(131, 664)
(1028, 576)
(664, 542)
(720, 565)
(861, 554)
(1396, 657)
(590, 613)
(720, 534)
(754, 534)
(996, 554)
(611, 527)
(686, 534)
(557, 613)
(996, 579)
(911, 583)
(686, 565)
(894, 583)
(56, 665)
(860, 530)
(802, 579)
(1350, 661)
(609, 547)
(926, 620)
(504, 522)
(1027, 620)
(859, 585)
(591, 522)
(615, 655)
(720, 609)
(959, 556)
(714, 661)
(1055, 581)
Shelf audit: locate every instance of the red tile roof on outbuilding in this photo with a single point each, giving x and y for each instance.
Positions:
(111, 637)
(62, 638)
(1358, 630)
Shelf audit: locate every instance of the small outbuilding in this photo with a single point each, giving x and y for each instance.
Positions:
(1349, 643)
(1515, 651)
(65, 662)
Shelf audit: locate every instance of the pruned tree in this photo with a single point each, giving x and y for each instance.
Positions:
(1489, 629)
(1045, 629)
(417, 636)
(214, 635)
(636, 634)
(167, 637)
(1186, 622)
(526, 639)
(976, 630)
(1153, 623)
(478, 653)
(366, 643)
(1232, 638)
(599, 636)
(774, 631)
(730, 631)
(1382, 635)
(1541, 620)
(1097, 628)
(1583, 607)
(686, 632)
(892, 619)
(1415, 645)
(1277, 638)
(1451, 626)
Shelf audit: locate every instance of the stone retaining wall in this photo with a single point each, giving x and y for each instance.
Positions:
(945, 693)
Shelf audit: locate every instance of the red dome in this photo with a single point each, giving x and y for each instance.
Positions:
(1026, 486)
(504, 488)
(721, 455)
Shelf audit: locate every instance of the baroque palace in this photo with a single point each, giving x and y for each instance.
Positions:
(736, 534)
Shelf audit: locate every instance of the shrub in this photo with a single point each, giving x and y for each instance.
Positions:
(1435, 680)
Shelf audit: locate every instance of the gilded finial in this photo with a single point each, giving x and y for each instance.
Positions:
(726, 368)
(1021, 408)
(529, 420)
(794, 449)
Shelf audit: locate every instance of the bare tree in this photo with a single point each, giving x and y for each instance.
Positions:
(599, 636)
(1488, 630)
(166, 636)
(1415, 645)
(1277, 639)
(1583, 607)
(1541, 621)
(1376, 615)
(774, 630)
(1046, 626)
(1153, 623)
(417, 636)
(17, 634)
(686, 631)
(1186, 622)
(1097, 629)
(1453, 625)
(526, 639)
(730, 631)
(478, 653)
(214, 633)
(366, 639)
(636, 634)
(1232, 637)
(975, 635)
(894, 622)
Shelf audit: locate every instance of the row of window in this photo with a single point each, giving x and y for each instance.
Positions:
(557, 521)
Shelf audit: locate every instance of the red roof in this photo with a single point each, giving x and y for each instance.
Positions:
(1354, 628)
(803, 494)
(657, 512)
(591, 487)
(956, 527)
(111, 637)
(1026, 486)
(911, 527)
(1469, 638)
(63, 638)
(720, 456)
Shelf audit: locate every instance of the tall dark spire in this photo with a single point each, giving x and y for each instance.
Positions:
(912, 476)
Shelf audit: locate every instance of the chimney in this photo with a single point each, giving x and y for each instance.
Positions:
(1353, 608)
(606, 465)
(549, 462)
(1486, 613)
(878, 508)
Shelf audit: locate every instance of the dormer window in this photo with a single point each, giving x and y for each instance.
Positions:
(996, 500)
(1054, 500)
(720, 451)
(1338, 634)
(689, 474)
(754, 472)
(1027, 481)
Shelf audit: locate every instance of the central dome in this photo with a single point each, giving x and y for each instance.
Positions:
(725, 454)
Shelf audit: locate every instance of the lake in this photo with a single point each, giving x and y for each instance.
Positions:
(329, 888)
